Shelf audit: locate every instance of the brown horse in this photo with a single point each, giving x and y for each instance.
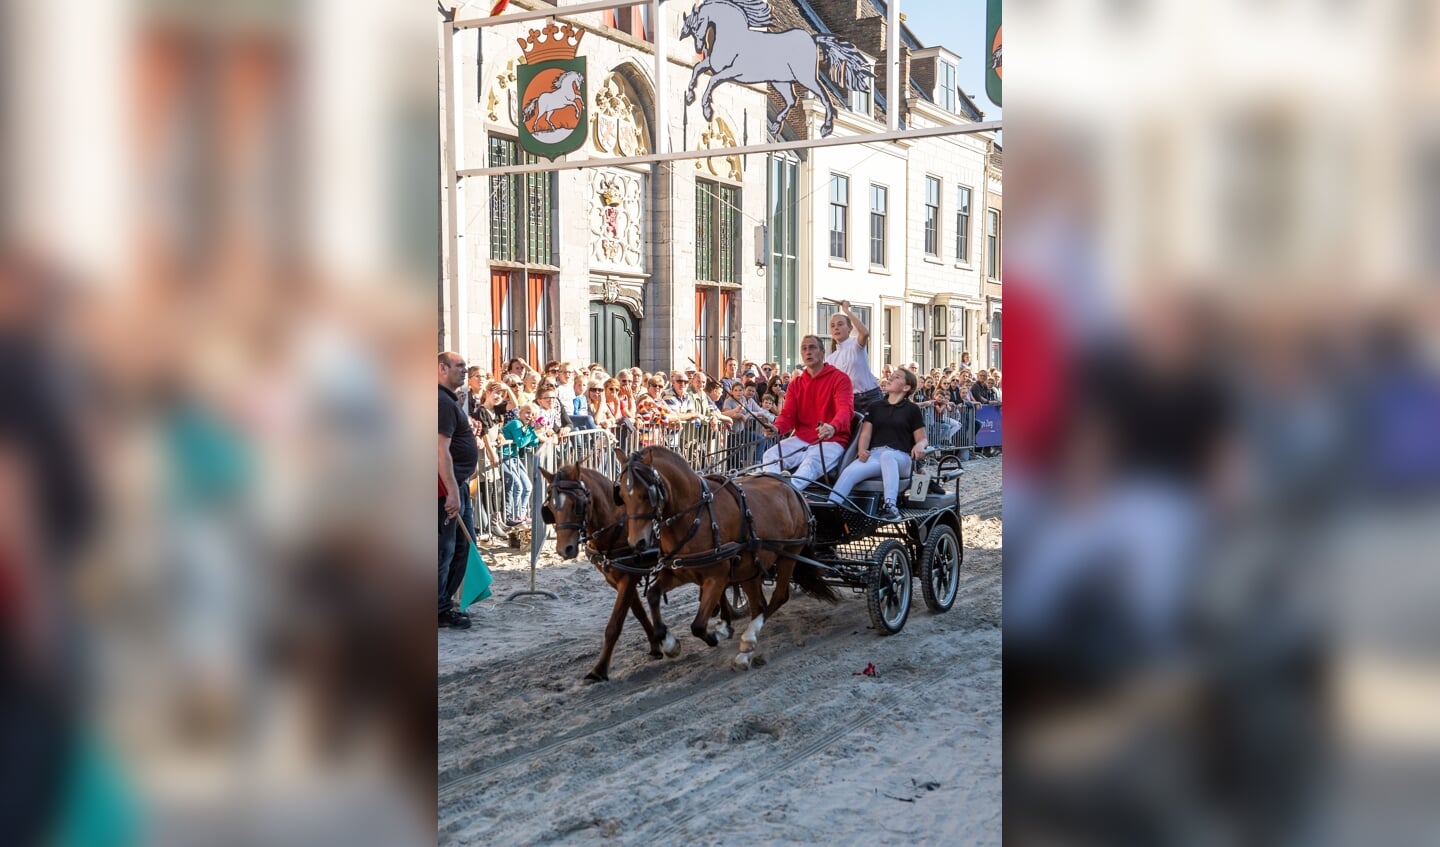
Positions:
(704, 531)
(580, 503)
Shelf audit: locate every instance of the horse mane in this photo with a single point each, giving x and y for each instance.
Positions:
(757, 12)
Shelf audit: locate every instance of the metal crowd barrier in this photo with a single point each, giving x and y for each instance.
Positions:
(954, 430)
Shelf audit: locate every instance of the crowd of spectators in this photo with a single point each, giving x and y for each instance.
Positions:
(522, 407)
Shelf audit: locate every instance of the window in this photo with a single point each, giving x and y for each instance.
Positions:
(957, 334)
(634, 21)
(861, 100)
(839, 216)
(521, 209)
(995, 324)
(962, 224)
(939, 327)
(932, 216)
(717, 232)
(520, 305)
(783, 273)
(823, 311)
(947, 96)
(992, 244)
(879, 202)
(714, 325)
(521, 212)
(917, 335)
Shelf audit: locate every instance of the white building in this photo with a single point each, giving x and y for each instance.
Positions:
(705, 258)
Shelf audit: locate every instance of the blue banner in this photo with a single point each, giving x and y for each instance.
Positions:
(989, 419)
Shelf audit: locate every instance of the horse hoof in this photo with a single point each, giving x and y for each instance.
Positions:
(670, 646)
(656, 654)
(689, 97)
(742, 661)
(708, 112)
(596, 676)
(775, 129)
(723, 630)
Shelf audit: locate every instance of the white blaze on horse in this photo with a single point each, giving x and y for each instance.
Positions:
(743, 51)
(564, 94)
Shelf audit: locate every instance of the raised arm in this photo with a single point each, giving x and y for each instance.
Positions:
(862, 332)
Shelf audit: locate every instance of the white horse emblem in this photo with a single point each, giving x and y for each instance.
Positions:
(743, 51)
(564, 94)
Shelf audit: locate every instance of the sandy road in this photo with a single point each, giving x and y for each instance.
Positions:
(687, 751)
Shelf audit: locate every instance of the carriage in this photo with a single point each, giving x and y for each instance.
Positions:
(771, 535)
(883, 559)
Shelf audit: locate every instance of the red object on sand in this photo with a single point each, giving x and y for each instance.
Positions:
(869, 671)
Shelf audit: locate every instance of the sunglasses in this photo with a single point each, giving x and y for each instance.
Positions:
(595, 391)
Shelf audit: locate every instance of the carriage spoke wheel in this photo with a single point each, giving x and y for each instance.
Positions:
(739, 602)
(940, 568)
(887, 595)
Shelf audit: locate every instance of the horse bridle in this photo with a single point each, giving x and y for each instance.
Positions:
(655, 495)
(581, 492)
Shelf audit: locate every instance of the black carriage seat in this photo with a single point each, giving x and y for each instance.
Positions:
(851, 450)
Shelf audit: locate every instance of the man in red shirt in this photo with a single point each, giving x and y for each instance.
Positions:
(818, 408)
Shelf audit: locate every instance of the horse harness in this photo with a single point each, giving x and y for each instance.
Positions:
(732, 550)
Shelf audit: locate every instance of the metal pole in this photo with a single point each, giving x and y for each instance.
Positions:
(454, 192)
(722, 152)
(892, 65)
(662, 87)
(520, 15)
(537, 530)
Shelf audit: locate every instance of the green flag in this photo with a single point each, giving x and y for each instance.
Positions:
(994, 71)
(476, 585)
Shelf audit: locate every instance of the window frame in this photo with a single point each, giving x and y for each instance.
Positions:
(962, 223)
(993, 266)
(843, 209)
(932, 215)
(883, 214)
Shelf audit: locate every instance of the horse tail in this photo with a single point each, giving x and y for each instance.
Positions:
(529, 109)
(848, 68)
(809, 578)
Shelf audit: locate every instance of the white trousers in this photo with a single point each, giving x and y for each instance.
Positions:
(806, 462)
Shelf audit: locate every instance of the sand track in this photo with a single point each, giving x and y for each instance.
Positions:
(688, 751)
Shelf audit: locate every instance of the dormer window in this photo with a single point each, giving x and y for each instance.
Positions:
(947, 93)
(861, 99)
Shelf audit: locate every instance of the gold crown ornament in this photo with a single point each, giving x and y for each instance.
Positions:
(559, 42)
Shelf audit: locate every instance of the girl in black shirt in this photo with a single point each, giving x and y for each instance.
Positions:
(893, 433)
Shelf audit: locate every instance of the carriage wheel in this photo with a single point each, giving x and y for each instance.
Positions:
(887, 594)
(739, 602)
(940, 568)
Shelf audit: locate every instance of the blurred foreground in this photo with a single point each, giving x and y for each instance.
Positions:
(217, 257)
(1223, 424)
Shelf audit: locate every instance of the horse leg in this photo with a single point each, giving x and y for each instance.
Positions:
(806, 76)
(710, 591)
(787, 94)
(725, 74)
(601, 671)
(703, 66)
(747, 656)
(637, 609)
(668, 645)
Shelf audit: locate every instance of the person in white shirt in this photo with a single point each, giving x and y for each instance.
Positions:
(851, 355)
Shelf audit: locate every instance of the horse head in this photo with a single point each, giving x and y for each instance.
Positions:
(643, 494)
(567, 506)
(695, 25)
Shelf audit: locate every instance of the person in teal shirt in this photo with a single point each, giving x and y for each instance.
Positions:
(516, 453)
